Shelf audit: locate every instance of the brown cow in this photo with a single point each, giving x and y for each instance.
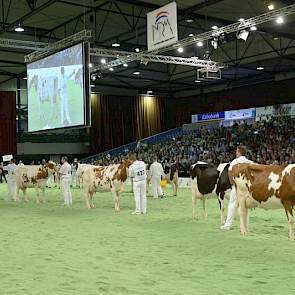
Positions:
(104, 178)
(265, 186)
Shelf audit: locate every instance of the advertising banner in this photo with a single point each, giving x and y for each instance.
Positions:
(240, 114)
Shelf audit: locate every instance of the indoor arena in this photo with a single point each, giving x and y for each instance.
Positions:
(147, 147)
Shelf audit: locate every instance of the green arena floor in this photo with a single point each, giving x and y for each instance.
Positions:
(49, 249)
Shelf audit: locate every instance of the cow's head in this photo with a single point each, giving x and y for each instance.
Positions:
(127, 163)
(51, 166)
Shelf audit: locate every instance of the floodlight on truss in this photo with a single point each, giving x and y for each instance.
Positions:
(61, 44)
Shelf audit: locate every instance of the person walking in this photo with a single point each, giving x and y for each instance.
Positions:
(231, 209)
(2, 173)
(156, 172)
(11, 181)
(65, 173)
(137, 173)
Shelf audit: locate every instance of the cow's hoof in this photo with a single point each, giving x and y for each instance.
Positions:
(243, 233)
(291, 238)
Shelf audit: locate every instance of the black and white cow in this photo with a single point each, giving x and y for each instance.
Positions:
(209, 180)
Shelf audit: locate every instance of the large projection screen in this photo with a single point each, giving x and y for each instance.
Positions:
(58, 90)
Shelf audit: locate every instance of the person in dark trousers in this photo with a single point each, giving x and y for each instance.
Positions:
(2, 173)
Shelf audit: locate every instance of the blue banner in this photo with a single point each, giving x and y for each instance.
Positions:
(211, 116)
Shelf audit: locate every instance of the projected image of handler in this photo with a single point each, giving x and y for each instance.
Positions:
(64, 99)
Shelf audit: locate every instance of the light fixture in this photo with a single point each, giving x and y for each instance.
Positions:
(241, 20)
(271, 7)
(111, 69)
(19, 28)
(25, 78)
(180, 49)
(136, 73)
(90, 65)
(253, 28)
(116, 44)
(191, 35)
(260, 68)
(280, 20)
(197, 81)
(93, 77)
(214, 27)
(243, 35)
(137, 49)
(200, 44)
(214, 43)
(189, 20)
(103, 61)
(149, 92)
(92, 85)
(125, 65)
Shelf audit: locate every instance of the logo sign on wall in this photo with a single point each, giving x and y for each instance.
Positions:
(208, 117)
(162, 27)
(240, 114)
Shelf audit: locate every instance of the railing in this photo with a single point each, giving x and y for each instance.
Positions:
(125, 149)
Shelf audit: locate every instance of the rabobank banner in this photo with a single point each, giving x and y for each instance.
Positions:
(208, 117)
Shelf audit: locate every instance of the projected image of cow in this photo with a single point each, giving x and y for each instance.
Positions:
(56, 90)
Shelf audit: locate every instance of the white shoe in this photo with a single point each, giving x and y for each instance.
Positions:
(135, 213)
(225, 227)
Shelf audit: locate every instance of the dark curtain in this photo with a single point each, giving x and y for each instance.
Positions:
(112, 121)
(149, 114)
(7, 122)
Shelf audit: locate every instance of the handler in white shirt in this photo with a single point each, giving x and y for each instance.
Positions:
(137, 172)
(156, 171)
(231, 209)
(66, 177)
(11, 181)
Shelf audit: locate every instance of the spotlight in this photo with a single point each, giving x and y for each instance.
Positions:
(92, 85)
(19, 28)
(280, 20)
(137, 49)
(189, 20)
(149, 92)
(111, 69)
(243, 35)
(214, 27)
(93, 77)
(214, 43)
(200, 44)
(271, 7)
(116, 44)
(90, 65)
(25, 78)
(136, 73)
(180, 49)
(253, 28)
(125, 65)
(241, 20)
(260, 68)
(103, 61)
(197, 81)
(191, 35)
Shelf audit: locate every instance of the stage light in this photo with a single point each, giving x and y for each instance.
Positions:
(137, 49)
(191, 35)
(200, 44)
(125, 65)
(19, 28)
(136, 73)
(214, 27)
(111, 69)
(241, 20)
(260, 68)
(253, 28)
(243, 35)
(189, 20)
(271, 7)
(214, 43)
(197, 81)
(180, 49)
(116, 44)
(90, 65)
(280, 20)
(103, 61)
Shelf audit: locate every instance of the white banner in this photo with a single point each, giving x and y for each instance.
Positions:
(240, 114)
(264, 113)
(162, 27)
(7, 158)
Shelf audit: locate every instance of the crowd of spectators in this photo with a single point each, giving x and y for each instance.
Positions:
(267, 142)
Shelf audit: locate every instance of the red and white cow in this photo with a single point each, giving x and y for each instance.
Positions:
(104, 178)
(33, 176)
(265, 186)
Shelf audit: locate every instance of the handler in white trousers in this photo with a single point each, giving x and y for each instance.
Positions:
(11, 181)
(66, 178)
(232, 205)
(156, 171)
(137, 173)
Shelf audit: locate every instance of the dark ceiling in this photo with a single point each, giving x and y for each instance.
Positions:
(271, 46)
